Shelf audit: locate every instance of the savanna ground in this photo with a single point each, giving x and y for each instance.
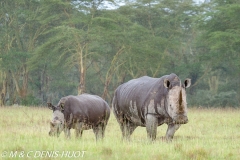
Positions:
(210, 134)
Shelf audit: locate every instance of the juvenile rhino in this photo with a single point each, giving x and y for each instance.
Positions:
(80, 112)
(151, 102)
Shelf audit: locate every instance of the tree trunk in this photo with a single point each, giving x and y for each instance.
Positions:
(22, 92)
(82, 72)
(25, 81)
(4, 89)
(16, 83)
(111, 71)
(213, 84)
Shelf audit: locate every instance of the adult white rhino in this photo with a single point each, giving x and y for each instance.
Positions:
(151, 102)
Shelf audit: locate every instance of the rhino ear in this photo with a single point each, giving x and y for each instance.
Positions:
(166, 83)
(62, 106)
(187, 83)
(50, 106)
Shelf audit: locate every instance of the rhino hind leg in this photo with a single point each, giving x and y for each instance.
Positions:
(78, 133)
(151, 126)
(99, 131)
(78, 129)
(127, 128)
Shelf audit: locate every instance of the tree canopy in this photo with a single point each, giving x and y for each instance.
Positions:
(50, 49)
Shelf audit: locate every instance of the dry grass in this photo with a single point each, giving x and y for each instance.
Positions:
(210, 134)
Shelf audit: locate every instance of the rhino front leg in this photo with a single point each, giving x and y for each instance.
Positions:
(151, 126)
(67, 133)
(68, 126)
(172, 128)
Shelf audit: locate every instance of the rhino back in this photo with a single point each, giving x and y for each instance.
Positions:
(87, 108)
(139, 91)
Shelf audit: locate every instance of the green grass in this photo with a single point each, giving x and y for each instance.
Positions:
(210, 134)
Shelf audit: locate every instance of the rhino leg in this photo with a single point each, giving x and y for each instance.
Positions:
(103, 129)
(172, 128)
(151, 126)
(67, 133)
(99, 131)
(78, 130)
(127, 128)
(68, 126)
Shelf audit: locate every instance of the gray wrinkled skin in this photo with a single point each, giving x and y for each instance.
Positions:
(151, 102)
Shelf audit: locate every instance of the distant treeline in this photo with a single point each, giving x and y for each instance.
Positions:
(50, 49)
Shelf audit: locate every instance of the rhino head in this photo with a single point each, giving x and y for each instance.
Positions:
(176, 99)
(57, 122)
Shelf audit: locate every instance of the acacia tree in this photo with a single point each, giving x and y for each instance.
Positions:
(110, 47)
(75, 35)
(152, 34)
(218, 46)
(20, 32)
(161, 35)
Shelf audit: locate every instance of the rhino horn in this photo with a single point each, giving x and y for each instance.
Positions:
(180, 103)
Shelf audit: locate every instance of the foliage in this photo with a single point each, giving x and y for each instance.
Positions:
(219, 46)
(51, 49)
(30, 100)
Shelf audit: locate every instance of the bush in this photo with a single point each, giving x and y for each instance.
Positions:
(30, 100)
(206, 98)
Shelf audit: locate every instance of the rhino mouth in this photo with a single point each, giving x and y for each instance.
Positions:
(180, 120)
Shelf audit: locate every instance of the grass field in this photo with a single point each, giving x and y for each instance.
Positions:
(210, 134)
